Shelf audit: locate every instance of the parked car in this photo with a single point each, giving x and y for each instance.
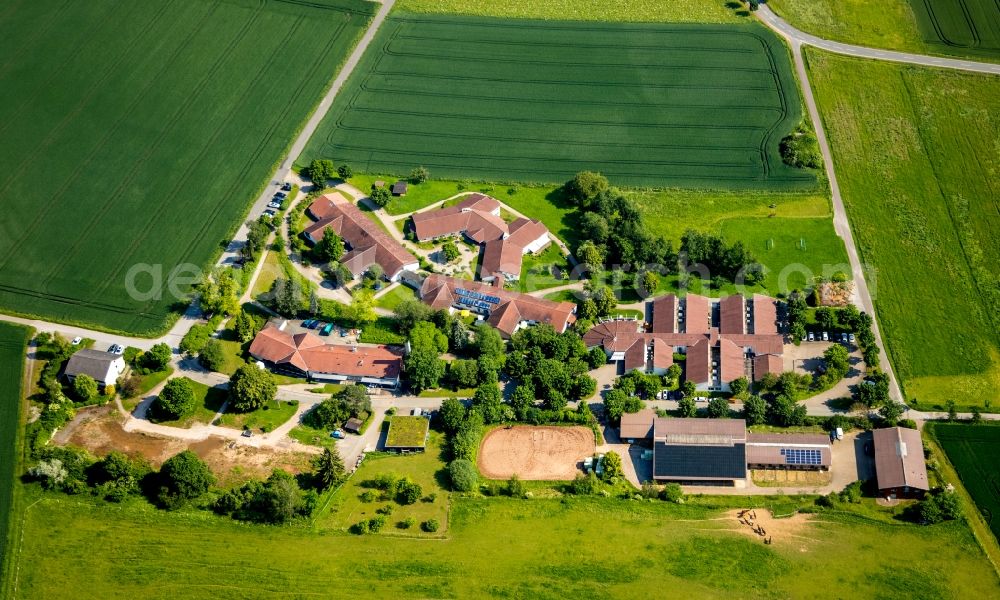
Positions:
(317, 325)
(326, 330)
(273, 205)
(307, 323)
(843, 337)
(269, 212)
(826, 337)
(286, 187)
(247, 433)
(851, 338)
(337, 434)
(281, 195)
(76, 341)
(116, 349)
(812, 337)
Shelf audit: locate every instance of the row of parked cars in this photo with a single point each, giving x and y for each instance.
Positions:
(846, 338)
(279, 200)
(323, 327)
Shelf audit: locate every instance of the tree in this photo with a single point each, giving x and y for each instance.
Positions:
(419, 174)
(463, 373)
(584, 188)
(650, 281)
(452, 414)
(286, 296)
(213, 356)
(786, 412)
(689, 388)
(825, 317)
(345, 172)
(328, 468)
(489, 401)
(183, 477)
(362, 308)
(797, 331)
(594, 227)
(718, 408)
(687, 407)
(977, 416)
(837, 360)
(85, 387)
(614, 404)
(463, 475)
(754, 5)
(755, 410)
(952, 411)
(381, 196)
(588, 253)
(320, 171)
(408, 492)
(891, 412)
(489, 342)
(328, 414)
(157, 358)
(195, 339)
(218, 292)
(257, 233)
(356, 398)
(329, 248)
(247, 326)
(522, 399)
(450, 251)
(874, 391)
(409, 312)
(612, 466)
(739, 387)
(424, 369)
(176, 400)
(515, 487)
(426, 336)
(251, 388)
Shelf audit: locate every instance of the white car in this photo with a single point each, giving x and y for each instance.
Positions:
(812, 337)
(76, 341)
(826, 337)
(273, 205)
(116, 349)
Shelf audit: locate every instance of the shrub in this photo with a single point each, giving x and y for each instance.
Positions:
(406, 523)
(430, 525)
(515, 487)
(176, 401)
(369, 496)
(212, 355)
(408, 492)
(585, 485)
(85, 387)
(672, 492)
(385, 510)
(464, 477)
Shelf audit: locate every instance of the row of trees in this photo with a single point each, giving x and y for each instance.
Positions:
(551, 367)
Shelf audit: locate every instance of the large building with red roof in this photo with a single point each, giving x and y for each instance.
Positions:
(722, 340)
(306, 355)
(366, 243)
(507, 311)
(477, 217)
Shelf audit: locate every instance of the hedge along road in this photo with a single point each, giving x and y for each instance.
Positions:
(680, 105)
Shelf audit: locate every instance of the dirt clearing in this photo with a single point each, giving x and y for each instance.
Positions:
(761, 525)
(541, 453)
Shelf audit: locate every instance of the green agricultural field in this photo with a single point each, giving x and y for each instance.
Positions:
(700, 106)
(538, 548)
(139, 132)
(919, 178)
(966, 28)
(631, 11)
(13, 340)
(973, 449)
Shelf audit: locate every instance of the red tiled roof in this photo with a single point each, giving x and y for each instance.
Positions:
(310, 354)
(635, 356)
(899, 459)
(695, 314)
(473, 215)
(731, 363)
(765, 315)
(699, 362)
(663, 354)
(732, 315)
(368, 243)
(665, 314)
(766, 363)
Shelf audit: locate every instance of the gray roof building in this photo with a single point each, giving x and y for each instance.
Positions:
(700, 451)
(104, 367)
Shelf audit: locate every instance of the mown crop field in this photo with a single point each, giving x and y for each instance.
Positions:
(919, 178)
(495, 547)
(537, 101)
(963, 26)
(973, 450)
(631, 11)
(13, 340)
(139, 132)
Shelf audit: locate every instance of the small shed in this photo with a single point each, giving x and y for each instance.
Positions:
(399, 188)
(378, 184)
(407, 433)
(353, 425)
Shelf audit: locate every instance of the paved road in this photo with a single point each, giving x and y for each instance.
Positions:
(767, 16)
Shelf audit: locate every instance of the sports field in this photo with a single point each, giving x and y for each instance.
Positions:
(538, 548)
(537, 101)
(12, 346)
(919, 178)
(973, 450)
(139, 132)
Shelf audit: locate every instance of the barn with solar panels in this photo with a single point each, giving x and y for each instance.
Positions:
(700, 451)
(788, 451)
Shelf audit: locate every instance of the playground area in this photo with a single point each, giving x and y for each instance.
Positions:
(537, 453)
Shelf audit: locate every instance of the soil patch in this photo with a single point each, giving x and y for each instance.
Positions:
(539, 453)
(760, 524)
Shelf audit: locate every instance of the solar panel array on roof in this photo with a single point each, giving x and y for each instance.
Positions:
(477, 296)
(699, 462)
(802, 456)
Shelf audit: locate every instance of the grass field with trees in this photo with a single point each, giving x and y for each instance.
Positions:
(919, 180)
(653, 105)
(13, 340)
(973, 449)
(542, 548)
(144, 130)
(964, 28)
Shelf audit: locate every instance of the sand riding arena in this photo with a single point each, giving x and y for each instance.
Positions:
(552, 453)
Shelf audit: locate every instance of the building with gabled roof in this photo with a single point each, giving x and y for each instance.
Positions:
(366, 242)
(700, 451)
(103, 367)
(306, 355)
(505, 310)
(900, 470)
(722, 340)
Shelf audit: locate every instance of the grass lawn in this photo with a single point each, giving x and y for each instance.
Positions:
(13, 343)
(539, 548)
(312, 437)
(102, 96)
(536, 270)
(923, 27)
(263, 419)
(406, 431)
(382, 331)
(447, 393)
(919, 180)
(268, 274)
(698, 106)
(694, 11)
(149, 382)
(207, 400)
(426, 469)
(393, 297)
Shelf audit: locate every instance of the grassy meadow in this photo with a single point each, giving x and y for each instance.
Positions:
(536, 101)
(207, 402)
(973, 449)
(143, 131)
(919, 178)
(631, 11)
(539, 548)
(13, 340)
